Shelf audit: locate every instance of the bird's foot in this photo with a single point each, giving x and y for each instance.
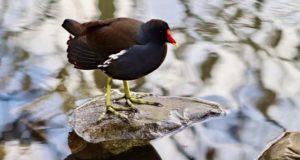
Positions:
(136, 99)
(130, 101)
(114, 110)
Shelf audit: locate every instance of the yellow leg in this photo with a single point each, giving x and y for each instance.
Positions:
(129, 100)
(135, 99)
(108, 106)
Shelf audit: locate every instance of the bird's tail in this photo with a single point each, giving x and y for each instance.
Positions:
(80, 54)
(73, 27)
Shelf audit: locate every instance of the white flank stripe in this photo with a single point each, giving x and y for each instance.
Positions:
(110, 58)
(102, 66)
(117, 55)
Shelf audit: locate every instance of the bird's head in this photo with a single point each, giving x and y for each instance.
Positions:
(159, 31)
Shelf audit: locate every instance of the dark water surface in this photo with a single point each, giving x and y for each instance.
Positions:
(242, 54)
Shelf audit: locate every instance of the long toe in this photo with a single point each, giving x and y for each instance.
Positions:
(142, 95)
(137, 100)
(117, 113)
(113, 110)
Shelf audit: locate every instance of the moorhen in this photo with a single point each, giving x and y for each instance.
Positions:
(123, 48)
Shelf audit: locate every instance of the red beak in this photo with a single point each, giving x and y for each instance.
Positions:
(170, 38)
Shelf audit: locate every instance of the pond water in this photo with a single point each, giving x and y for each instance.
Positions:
(242, 54)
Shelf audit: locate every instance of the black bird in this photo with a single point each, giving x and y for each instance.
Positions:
(123, 48)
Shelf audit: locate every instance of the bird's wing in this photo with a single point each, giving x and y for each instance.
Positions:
(111, 36)
(81, 55)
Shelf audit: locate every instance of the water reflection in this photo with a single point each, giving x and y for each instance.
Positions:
(244, 55)
(83, 150)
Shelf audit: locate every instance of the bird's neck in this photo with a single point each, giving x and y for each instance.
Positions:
(142, 35)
